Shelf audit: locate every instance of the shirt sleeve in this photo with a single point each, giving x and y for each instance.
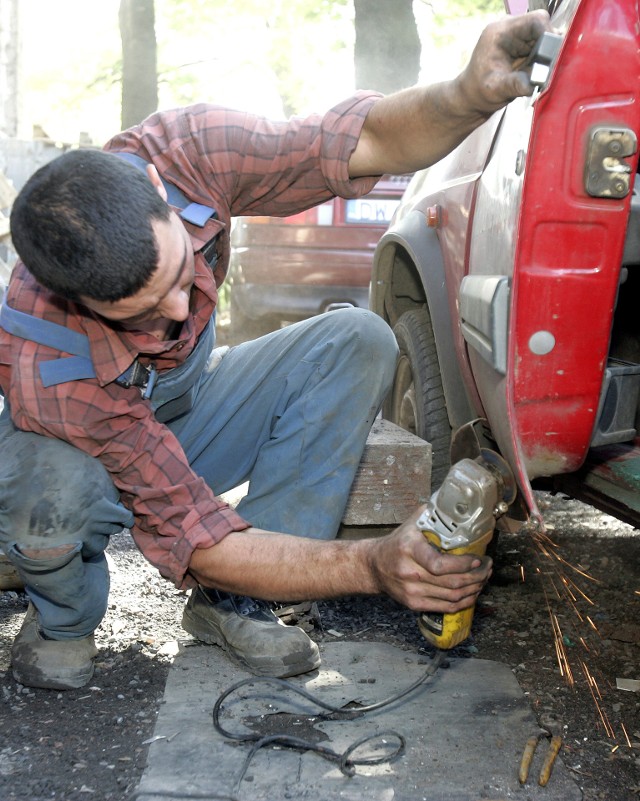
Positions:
(175, 511)
(249, 165)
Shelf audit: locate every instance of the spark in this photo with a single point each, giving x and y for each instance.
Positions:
(577, 569)
(591, 683)
(591, 680)
(626, 736)
(522, 573)
(555, 589)
(578, 590)
(542, 537)
(577, 613)
(559, 585)
(593, 625)
(565, 581)
(552, 553)
(561, 651)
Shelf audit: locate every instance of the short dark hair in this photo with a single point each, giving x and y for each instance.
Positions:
(82, 226)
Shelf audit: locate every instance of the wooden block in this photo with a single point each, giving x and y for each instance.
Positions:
(393, 479)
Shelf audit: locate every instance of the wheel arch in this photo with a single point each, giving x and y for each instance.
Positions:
(409, 272)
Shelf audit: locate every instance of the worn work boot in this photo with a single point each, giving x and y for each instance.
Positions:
(250, 632)
(37, 661)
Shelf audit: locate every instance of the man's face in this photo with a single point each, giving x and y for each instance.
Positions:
(166, 295)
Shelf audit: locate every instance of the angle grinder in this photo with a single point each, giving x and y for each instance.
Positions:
(460, 518)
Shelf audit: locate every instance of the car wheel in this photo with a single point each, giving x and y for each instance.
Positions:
(243, 328)
(416, 401)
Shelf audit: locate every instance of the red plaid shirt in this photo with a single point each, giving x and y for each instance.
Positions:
(239, 164)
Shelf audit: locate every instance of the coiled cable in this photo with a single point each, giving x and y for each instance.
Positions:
(346, 761)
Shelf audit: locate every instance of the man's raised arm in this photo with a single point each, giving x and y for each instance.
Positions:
(414, 128)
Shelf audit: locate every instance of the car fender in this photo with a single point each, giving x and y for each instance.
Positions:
(409, 272)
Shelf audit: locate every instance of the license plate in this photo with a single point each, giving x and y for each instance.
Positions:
(363, 210)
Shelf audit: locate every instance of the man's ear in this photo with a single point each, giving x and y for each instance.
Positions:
(152, 172)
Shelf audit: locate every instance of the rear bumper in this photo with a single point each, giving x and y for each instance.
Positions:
(608, 480)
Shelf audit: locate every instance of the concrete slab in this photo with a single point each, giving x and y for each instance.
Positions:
(465, 732)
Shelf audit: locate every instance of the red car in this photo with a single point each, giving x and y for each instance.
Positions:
(511, 274)
(291, 268)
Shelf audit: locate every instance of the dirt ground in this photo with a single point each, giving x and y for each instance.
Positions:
(92, 743)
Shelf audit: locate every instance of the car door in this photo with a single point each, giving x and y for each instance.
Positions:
(547, 236)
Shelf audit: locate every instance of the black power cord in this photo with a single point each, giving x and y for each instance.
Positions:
(346, 761)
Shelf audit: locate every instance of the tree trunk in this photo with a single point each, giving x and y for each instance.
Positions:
(9, 67)
(387, 47)
(139, 61)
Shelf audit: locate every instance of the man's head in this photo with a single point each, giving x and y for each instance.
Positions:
(83, 226)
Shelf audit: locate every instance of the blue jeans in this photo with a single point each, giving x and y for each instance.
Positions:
(289, 413)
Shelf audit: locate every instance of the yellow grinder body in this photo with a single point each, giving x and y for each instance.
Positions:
(447, 631)
(460, 518)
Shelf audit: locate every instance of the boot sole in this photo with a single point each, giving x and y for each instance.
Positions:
(35, 678)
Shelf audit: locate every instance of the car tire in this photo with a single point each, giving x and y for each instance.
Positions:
(243, 328)
(416, 401)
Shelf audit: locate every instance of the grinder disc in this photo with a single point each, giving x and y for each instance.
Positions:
(501, 469)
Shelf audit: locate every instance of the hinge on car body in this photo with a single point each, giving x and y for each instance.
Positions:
(606, 172)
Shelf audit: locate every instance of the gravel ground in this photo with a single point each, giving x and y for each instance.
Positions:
(92, 743)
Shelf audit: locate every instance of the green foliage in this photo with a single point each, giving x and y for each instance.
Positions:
(286, 38)
(454, 26)
(295, 55)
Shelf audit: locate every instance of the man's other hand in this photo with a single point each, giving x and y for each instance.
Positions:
(499, 68)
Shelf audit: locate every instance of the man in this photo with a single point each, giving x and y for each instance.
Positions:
(119, 413)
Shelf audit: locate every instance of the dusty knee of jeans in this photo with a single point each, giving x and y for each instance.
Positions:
(372, 342)
(381, 337)
(52, 493)
(368, 328)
